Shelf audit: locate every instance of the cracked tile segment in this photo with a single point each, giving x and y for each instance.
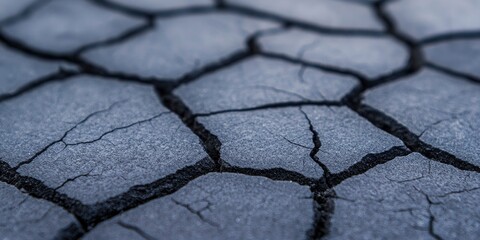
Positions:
(243, 207)
(105, 136)
(282, 138)
(441, 110)
(22, 216)
(368, 56)
(327, 13)
(427, 18)
(216, 36)
(410, 197)
(260, 81)
(157, 5)
(27, 70)
(50, 27)
(459, 55)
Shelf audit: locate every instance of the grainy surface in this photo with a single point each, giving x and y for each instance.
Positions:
(197, 119)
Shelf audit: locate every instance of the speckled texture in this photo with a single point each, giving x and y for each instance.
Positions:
(219, 206)
(403, 197)
(109, 137)
(258, 81)
(442, 110)
(24, 217)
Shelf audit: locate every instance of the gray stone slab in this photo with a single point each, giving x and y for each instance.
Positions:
(27, 69)
(23, 217)
(156, 5)
(170, 51)
(458, 55)
(101, 137)
(281, 138)
(218, 206)
(65, 25)
(258, 81)
(441, 109)
(9, 8)
(402, 198)
(334, 14)
(426, 18)
(372, 56)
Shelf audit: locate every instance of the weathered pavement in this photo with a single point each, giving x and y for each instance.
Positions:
(239, 119)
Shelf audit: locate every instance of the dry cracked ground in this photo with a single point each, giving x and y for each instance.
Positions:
(239, 119)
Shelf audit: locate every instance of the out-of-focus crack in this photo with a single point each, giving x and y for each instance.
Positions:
(259, 14)
(452, 36)
(122, 37)
(60, 75)
(37, 154)
(151, 14)
(136, 229)
(273, 106)
(25, 13)
(332, 69)
(453, 73)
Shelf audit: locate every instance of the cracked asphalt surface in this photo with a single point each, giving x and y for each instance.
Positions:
(239, 119)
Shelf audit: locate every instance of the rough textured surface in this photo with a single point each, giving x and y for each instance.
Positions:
(225, 119)
(461, 55)
(369, 56)
(27, 70)
(219, 206)
(409, 198)
(103, 137)
(259, 81)
(281, 138)
(182, 51)
(427, 18)
(23, 217)
(157, 5)
(441, 110)
(335, 14)
(51, 27)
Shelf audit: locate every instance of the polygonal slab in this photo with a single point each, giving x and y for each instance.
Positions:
(171, 50)
(280, 138)
(27, 69)
(65, 25)
(155, 5)
(441, 109)
(404, 198)
(9, 8)
(99, 137)
(427, 18)
(259, 81)
(218, 206)
(372, 56)
(458, 55)
(24, 217)
(334, 14)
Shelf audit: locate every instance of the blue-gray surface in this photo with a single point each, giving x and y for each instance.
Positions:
(239, 119)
